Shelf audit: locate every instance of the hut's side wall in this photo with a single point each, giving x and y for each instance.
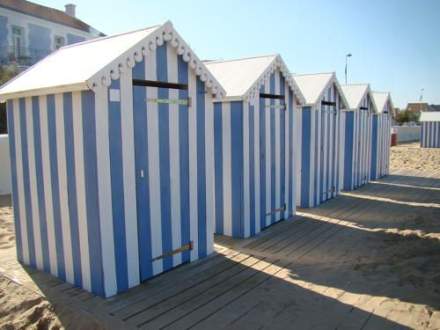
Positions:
(430, 135)
(254, 161)
(357, 160)
(109, 185)
(321, 146)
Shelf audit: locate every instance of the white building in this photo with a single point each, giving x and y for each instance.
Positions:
(29, 32)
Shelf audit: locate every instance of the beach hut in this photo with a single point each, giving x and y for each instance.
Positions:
(112, 169)
(254, 144)
(320, 139)
(381, 135)
(357, 137)
(430, 132)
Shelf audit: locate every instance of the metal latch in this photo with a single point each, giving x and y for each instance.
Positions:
(186, 247)
(281, 209)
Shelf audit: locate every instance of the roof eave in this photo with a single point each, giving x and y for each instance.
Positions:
(44, 91)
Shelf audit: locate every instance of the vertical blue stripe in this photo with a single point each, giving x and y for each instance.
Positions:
(92, 192)
(71, 187)
(218, 156)
(40, 182)
(262, 161)
(26, 181)
(53, 155)
(253, 219)
(201, 171)
(306, 136)
(334, 174)
(282, 145)
(292, 177)
(237, 168)
(182, 73)
(13, 159)
(322, 169)
(316, 197)
(348, 159)
(164, 157)
(272, 151)
(117, 184)
(142, 181)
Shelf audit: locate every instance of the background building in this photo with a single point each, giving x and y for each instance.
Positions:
(29, 32)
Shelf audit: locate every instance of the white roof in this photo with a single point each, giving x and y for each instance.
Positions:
(430, 116)
(380, 100)
(91, 63)
(242, 78)
(355, 94)
(313, 86)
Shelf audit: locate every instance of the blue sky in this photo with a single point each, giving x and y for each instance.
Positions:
(395, 43)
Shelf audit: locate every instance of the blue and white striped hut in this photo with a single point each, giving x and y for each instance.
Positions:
(112, 169)
(319, 142)
(357, 135)
(430, 132)
(254, 143)
(381, 135)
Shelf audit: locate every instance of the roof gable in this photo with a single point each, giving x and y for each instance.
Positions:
(313, 86)
(355, 94)
(96, 62)
(380, 100)
(242, 78)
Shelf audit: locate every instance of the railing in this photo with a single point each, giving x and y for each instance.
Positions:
(24, 56)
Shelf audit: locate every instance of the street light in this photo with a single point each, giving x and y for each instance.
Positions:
(346, 66)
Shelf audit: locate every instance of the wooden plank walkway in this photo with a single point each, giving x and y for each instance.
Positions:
(342, 265)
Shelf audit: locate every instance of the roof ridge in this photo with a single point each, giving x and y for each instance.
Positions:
(89, 41)
(313, 74)
(238, 59)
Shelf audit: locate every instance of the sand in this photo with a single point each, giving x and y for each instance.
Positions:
(412, 157)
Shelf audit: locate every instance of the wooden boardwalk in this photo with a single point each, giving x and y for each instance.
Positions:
(342, 265)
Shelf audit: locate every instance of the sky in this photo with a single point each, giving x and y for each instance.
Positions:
(395, 44)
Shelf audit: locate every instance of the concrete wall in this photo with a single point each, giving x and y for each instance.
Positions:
(5, 166)
(407, 133)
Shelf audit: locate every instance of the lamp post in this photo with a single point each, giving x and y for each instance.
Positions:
(346, 66)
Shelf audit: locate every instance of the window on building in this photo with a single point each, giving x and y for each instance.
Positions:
(17, 41)
(59, 42)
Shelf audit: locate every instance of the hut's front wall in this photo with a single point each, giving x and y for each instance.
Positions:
(319, 148)
(115, 186)
(254, 182)
(358, 142)
(430, 135)
(381, 143)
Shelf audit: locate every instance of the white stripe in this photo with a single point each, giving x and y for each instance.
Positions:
(267, 157)
(104, 189)
(47, 179)
(80, 189)
(277, 112)
(128, 162)
(246, 199)
(62, 172)
(297, 143)
(174, 156)
(154, 166)
(257, 157)
(193, 202)
(210, 173)
(287, 160)
(227, 168)
(33, 184)
(316, 166)
(22, 205)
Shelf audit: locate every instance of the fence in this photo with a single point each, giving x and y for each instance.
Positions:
(407, 133)
(5, 166)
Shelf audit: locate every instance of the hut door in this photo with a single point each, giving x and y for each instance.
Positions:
(162, 174)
